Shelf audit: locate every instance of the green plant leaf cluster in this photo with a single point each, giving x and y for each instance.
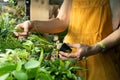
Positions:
(30, 61)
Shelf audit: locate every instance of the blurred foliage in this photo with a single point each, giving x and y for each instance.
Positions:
(8, 21)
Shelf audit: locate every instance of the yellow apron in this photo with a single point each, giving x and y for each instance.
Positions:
(90, 22)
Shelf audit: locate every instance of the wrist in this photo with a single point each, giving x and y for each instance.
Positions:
(96, 49)
(102, 46)
(30, 25)
(90, 50)
(99, 47)
(34, 26)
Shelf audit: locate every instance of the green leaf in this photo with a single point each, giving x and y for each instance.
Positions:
(69, 74)
(4, 77)
(44, 76)
(23, 54)
(19, 65)
(67, 64)
(32, 73)
(39, 38)
(28, 43)
(62, 63)
(32, 64)
(41, 56)
(19, 75)
(7, 68)
(27, 47)
(37, 49)
(76, 68)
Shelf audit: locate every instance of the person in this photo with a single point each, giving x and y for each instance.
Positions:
(88, 22)
(112, 40)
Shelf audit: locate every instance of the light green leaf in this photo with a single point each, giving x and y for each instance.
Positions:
(41, 56)
(19, 65)
(67, 64)
(32, 64)
(28, 42)
(3, 77)
(62, 64)
(19, 75)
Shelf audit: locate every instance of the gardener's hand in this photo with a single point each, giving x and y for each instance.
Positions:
(81, 51)
(23, 29)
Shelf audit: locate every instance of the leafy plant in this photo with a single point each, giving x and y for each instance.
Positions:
(30, 61)
(8, 21)
(7, 40)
